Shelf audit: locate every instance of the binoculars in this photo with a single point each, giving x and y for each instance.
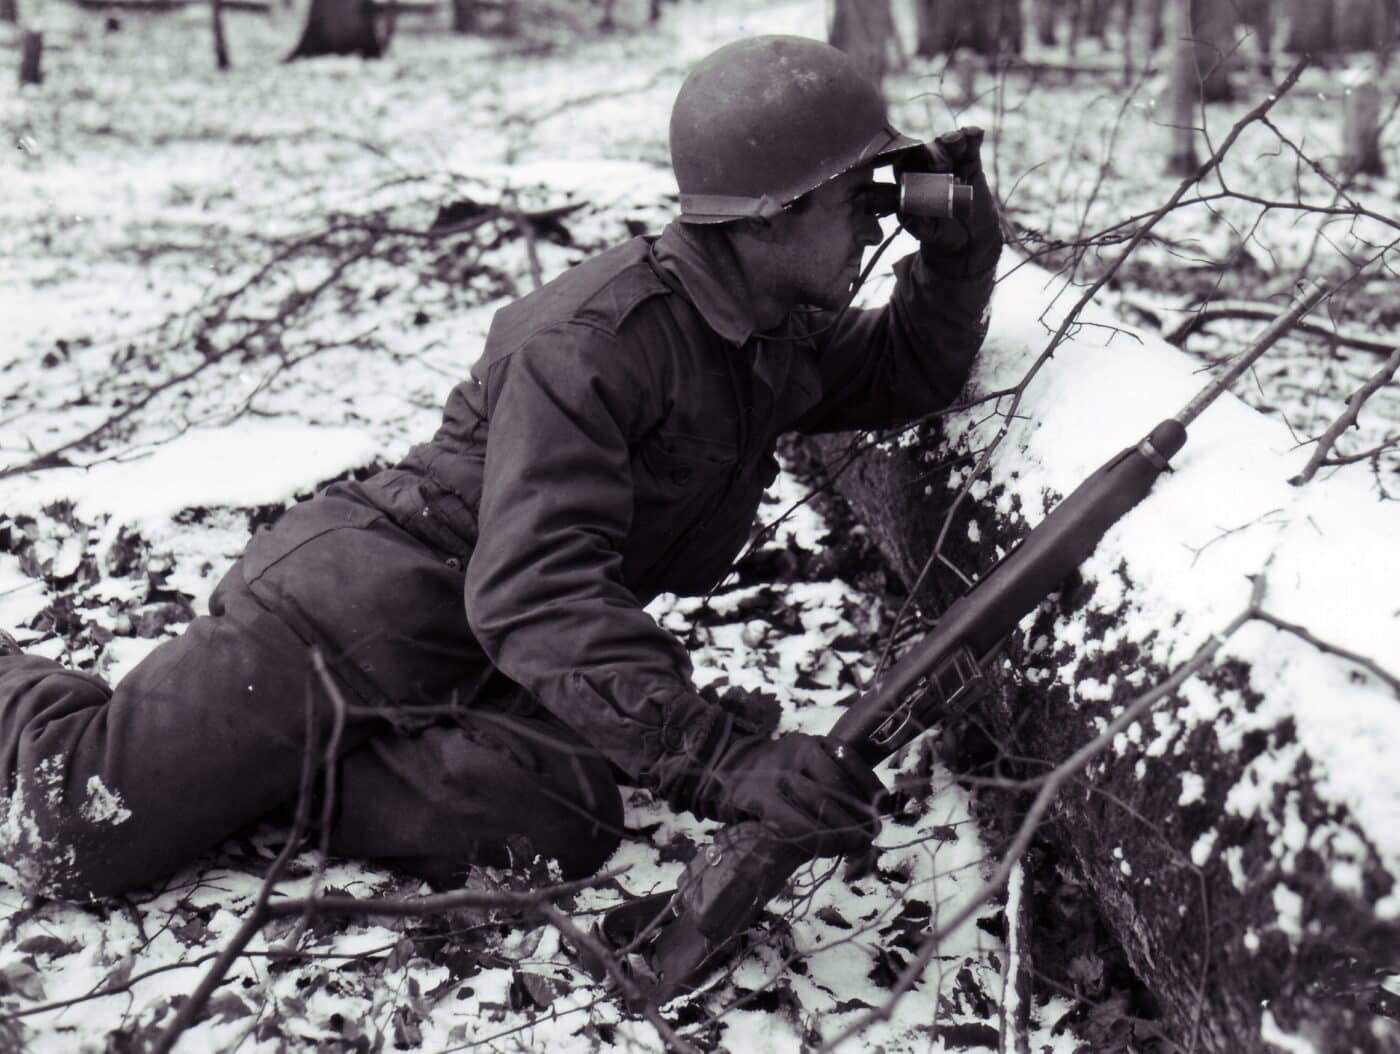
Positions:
(927, 195)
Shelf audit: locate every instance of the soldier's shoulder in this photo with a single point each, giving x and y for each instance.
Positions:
(602, 293)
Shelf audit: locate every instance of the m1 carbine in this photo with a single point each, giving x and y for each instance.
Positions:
(674, 938)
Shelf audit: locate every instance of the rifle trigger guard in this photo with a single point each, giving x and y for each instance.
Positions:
(936, 691)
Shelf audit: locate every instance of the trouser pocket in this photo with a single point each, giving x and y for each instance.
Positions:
(386, 611)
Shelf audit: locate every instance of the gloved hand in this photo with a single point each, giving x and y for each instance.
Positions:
(806, 789)
(960, 246)
(801, 786)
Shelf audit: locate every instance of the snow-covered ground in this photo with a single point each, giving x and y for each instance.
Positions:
(222, 273)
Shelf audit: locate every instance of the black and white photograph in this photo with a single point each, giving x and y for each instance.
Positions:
(691, 526)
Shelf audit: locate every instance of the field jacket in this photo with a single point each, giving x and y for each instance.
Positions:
(614, 440)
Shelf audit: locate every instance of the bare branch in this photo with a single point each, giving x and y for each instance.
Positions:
(1328, 439)
(1236, 309)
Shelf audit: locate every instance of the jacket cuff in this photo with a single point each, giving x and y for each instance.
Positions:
(694, 735)
(972, 263)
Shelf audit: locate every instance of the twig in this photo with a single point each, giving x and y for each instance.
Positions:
(328, 786)
(56, 457)
(1328, 439)
(1307, 299)
(1393, 441)
(633, 995)
(190, 1009)
(1303, 633)
(1234, 309)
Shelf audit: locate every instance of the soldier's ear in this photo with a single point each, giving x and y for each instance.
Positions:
(756, 228)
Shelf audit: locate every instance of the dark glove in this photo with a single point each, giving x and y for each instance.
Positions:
(805, 788)
(962, 246)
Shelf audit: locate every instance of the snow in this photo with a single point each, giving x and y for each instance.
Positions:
(1315, 545)
(1192, 788)
(1272, 1034)
(247, 463)
(103, 805)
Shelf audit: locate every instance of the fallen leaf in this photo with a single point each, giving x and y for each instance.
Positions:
(46, 944)
(21, 978)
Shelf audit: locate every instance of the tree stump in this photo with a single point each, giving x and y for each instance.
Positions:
(340, 27)
(31, 51)
(1239, 838)
(1361, 126)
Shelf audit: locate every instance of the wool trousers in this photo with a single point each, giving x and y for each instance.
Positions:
(441, 761)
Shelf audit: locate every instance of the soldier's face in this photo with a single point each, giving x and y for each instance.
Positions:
(826, 239)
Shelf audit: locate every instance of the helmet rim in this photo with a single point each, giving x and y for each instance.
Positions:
(764, 120)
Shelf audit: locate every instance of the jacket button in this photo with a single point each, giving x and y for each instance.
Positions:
(454, 563)
(680, 475)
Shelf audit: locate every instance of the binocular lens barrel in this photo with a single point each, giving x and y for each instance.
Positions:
(927, 195)
(933, 195)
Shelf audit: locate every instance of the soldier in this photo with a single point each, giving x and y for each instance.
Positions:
(611, 443)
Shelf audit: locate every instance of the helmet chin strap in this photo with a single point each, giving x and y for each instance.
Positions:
(850, 299)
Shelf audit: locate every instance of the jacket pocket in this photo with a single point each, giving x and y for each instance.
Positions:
(677, 463)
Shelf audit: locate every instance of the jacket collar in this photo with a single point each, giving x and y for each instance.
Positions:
(701, 262)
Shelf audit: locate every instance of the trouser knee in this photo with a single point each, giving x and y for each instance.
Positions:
(65, 845)
(480, 793)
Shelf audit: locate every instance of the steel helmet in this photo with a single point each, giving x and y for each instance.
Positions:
(764, 120)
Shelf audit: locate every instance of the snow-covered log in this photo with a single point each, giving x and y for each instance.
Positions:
(1243, 839)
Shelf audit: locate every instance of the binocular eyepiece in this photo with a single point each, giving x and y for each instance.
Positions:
(927, 195)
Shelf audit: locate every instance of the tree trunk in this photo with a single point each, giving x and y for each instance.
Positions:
(1361, 127)
(1096, 18)
(1309, 27)
(864, 30)
(1011, 28)
(1129, 11)
(1043, 11)
(1237, 839)
(1258, 16)
(1156, 31)
(9, 10)
(216, 16)
(1184, 92)
(936, 27)
(31, 52)
(339, 27)
(1213, 27)
(463, 16)
(1360, 25)
(992, 27)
